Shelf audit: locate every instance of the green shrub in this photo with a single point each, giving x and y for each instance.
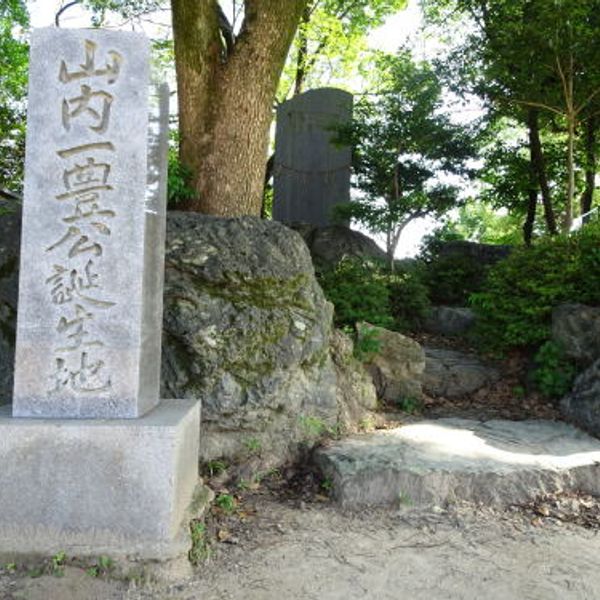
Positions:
(367, 291)
(515, 307)
(358, 289)
(409, 299)
(554, 373)
(449, 279)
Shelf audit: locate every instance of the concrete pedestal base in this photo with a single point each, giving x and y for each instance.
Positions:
(119, 488)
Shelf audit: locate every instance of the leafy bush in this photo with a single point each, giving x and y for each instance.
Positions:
(367, 291)
(359, 292)
(449, 279)
(409, 299)
(178, 176)
(515, 308)
(554, 373)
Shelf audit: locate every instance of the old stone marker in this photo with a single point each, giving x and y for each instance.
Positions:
(105, 466)
(311, 173)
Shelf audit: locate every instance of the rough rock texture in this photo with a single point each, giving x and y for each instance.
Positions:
(453, 374)
(247, 331)
(10, 235)
(397, 364)
(356, 392)
(440, 462)
(582, 405)
(487, 254)
(329, 245)
(576, 328)
(449, 320)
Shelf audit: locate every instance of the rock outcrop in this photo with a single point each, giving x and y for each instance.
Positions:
(453, 374)
(395, 362)
(576, 328)
(247, 330)
(449, 320)
(582, 405)
(329, 245)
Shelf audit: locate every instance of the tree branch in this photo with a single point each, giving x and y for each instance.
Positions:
(63, 9)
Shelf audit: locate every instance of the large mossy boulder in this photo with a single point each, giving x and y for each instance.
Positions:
(10, 235)
(247, 331)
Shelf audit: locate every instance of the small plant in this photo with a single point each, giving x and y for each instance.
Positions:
(327, 484)
(103, 567)
(57, 564)
(253, 446)
(367, 344)
(404, 499)
(200, 550)
(215, 467)
(314, 427)
(409, 404)
(226, 502)
(10, 567)
(554, 373)
(366, 424)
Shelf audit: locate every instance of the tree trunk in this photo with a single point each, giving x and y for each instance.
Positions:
(225, 100)
(568, 218)
(532, 194)
(590, 165)
(302, 56)
(539, 164)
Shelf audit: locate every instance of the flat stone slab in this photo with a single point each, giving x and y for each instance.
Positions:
(447, 460)
(92, 487)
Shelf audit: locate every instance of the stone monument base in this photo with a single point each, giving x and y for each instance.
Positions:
(119, 488)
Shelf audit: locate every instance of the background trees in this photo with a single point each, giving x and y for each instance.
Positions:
(405, 148)
(13, 81)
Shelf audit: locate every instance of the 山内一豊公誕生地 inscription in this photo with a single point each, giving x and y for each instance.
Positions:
(79, 332)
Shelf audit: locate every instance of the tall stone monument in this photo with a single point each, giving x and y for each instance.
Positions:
(92, 460)
(311, 173)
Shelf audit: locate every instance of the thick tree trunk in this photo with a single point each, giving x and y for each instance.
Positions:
(591, 161)
(226, 100)
(539, 164)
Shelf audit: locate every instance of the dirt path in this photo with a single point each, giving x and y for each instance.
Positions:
(288, 551)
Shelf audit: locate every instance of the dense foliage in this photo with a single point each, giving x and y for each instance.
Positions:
(515, 306)
(367, 291)
(404, 146)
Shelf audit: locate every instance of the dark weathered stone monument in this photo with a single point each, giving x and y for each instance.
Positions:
(93, 461)
(311, 173)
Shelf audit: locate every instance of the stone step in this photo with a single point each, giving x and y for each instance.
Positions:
(442, 461)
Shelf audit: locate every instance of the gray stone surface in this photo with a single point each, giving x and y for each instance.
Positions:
(449, 320)
(311, 174)
(10, 235)
(453, 374)
(87, 344)
(487, 254)
(93, 487)
(448, 460)
(331, 244)
(397, 365)
(576, 328)
(247, 330)
(582, 405)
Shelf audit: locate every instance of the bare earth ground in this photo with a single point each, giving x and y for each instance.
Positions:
(286, 541)
(282, 549)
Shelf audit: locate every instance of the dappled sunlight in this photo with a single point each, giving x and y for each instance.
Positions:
(462, 443)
